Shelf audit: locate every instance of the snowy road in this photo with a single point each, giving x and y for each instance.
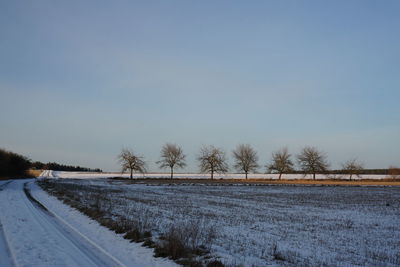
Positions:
(6, 258)
(31, 235)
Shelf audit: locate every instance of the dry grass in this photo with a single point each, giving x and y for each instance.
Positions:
(34, 173)
(327, 182)
(29, 174)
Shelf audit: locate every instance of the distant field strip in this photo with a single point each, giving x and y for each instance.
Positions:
(86, 175)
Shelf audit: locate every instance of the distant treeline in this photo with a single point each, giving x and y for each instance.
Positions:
(61, 167)
(361, 171)
(13, 164)
(16, 165)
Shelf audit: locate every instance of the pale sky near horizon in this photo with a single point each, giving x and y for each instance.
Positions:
(79, 80)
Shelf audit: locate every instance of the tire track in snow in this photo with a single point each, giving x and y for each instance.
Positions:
(3, 185)
(92, 252)
(6, 257)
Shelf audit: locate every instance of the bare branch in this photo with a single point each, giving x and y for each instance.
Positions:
(172, 156)
(312, 161)
(281, 162)
(212, 160)
(352, 167)
(130, 161)
(245, 158)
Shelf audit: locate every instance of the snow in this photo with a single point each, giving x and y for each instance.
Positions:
(255, 225)
(96, 175)
(6, 257)
(69, 238)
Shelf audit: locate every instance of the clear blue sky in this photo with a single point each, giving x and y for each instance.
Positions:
(79, 80)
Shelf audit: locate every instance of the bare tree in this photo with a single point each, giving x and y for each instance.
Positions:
(171, 156)
(245, 158)
(352, 167)
(312, 161)
(130, 161)
(281, 162)
(212, 160)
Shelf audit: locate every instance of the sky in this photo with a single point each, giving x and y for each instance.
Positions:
(80, 80)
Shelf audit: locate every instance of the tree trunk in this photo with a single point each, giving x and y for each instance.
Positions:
(314, 175)
(350, 176)
(212, 174)
(280, 175)
(246, 175)
(131, 173)
(172, 172)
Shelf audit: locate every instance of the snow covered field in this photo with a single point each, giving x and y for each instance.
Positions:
(262, 225)
(88, 175)
(60, 236)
